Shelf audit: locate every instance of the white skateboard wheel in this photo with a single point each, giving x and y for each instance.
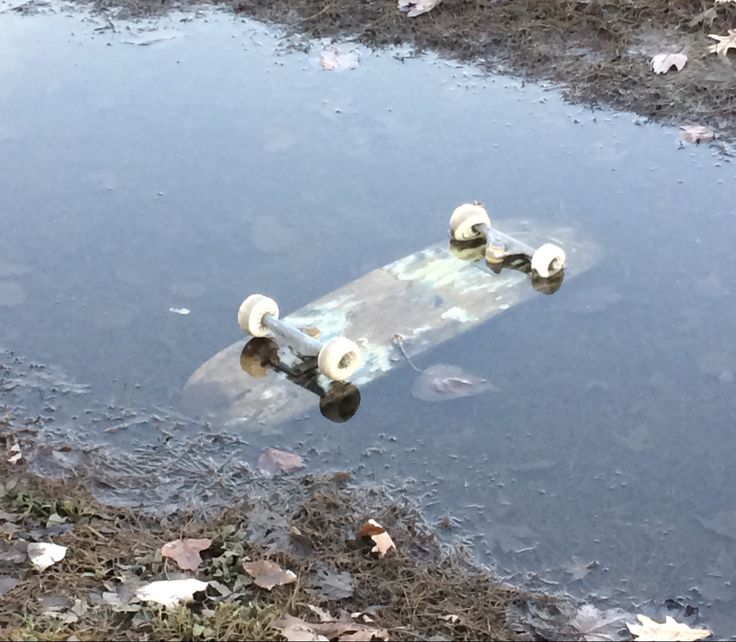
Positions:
(548, 260)
(464, 218)
(252, 311)
(339, 358)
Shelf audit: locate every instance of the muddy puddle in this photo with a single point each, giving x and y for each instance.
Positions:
(158, 172)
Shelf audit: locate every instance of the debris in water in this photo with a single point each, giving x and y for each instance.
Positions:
(273, 460)
(332, 59)
(671, 629)
(442, 382)
(697, 134)
(181, 311)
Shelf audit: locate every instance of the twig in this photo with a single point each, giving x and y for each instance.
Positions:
(398, 340)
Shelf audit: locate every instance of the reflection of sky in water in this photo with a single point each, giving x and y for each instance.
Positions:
(192, 172)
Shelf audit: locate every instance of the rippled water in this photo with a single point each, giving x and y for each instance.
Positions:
(194, 170)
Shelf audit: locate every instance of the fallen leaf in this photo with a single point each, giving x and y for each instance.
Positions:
(578, 569)
(267, 574)
(169, 593)
(341, 629)
(332, 59)
(724, 43)
(662, 63)
(330, 583)
(451, 618)
(323, 615)
(697, 133)
(414, 8)
(182, 311)
(671, 629)
(16, 456)
(442, 382)
(43, 555)
(599, 625)
(185, 552)
(272, 460)
(382, 540)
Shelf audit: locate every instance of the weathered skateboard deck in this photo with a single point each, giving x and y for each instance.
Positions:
(427, 297)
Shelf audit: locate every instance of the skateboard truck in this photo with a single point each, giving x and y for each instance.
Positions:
(470, 222)
(338, 402)
(337, 359)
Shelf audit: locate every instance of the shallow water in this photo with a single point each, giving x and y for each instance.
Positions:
(198, 169)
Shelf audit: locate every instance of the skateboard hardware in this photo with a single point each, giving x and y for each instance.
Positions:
(470, 222)
(337, 359)
(338, 401)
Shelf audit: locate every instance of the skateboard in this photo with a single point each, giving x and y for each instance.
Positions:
(331, 348)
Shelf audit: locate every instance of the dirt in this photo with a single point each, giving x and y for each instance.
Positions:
(308, 524)
(598, 51)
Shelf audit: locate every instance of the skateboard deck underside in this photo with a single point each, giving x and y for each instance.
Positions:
(427, 297)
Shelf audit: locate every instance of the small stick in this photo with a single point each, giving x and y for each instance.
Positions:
(398, 340)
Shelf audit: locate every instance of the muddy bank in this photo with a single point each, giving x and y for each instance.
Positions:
(599, 51)
(307, 525)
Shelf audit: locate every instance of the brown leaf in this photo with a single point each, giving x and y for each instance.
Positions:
(267, 574)
(382, 540)
(272, 460)
(185, 552)
(294, 628)
(671, 629)
(663, 62)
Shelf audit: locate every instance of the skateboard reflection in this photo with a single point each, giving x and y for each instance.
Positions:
(338, 402)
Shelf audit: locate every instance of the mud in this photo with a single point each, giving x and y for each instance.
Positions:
(421, 590)
(598, 51)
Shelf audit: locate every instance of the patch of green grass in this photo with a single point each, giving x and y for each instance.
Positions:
(227, 621)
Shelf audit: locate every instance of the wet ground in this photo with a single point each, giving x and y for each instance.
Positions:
(189, 161)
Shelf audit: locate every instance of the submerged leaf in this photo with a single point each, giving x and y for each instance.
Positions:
(332, 59)
(273, 460)
(442, 382)
(599, 625)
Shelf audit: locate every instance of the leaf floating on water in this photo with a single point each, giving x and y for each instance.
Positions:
(267, 574)
(697, 133)
(273, 460)
(332, 59)
(185, 552)
(442, 382)
(599, 625)
(671, 629)
(662, 63)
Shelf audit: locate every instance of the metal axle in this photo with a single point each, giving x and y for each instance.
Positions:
(301, 343)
